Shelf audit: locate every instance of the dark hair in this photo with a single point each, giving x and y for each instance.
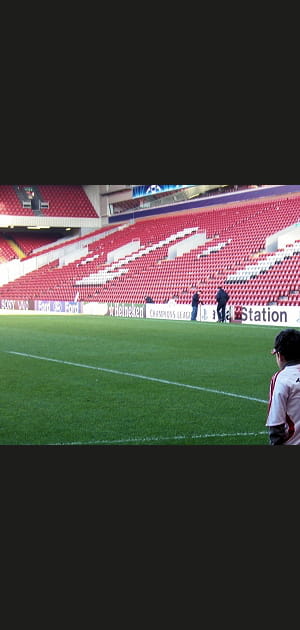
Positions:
(287, 342)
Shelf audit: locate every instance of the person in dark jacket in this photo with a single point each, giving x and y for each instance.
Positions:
(222, 298)
(195, 304)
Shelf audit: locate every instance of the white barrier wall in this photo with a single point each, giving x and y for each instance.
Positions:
(283, 316)
(186, 245)
(125, 250)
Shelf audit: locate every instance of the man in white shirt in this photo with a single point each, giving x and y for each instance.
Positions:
(283, 418)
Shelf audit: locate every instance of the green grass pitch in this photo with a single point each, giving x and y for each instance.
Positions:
(90, 380)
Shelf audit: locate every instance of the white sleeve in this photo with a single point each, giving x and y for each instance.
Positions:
(278, 401)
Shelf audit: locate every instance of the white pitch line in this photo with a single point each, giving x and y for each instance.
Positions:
(161, 439)
(146, 378)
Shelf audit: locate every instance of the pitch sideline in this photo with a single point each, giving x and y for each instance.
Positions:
(132, 375)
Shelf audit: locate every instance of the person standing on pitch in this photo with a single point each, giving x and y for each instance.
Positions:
(221, 298)
(195, 304)
(283, 419)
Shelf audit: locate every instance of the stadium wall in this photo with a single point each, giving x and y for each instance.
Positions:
(287, 316)
(222, 199)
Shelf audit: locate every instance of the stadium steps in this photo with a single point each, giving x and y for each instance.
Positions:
(16, 248)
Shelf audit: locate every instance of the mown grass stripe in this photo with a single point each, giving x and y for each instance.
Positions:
(140, 376)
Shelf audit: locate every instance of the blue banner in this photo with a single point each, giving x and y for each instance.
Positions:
(154, 189)
(52, 306)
